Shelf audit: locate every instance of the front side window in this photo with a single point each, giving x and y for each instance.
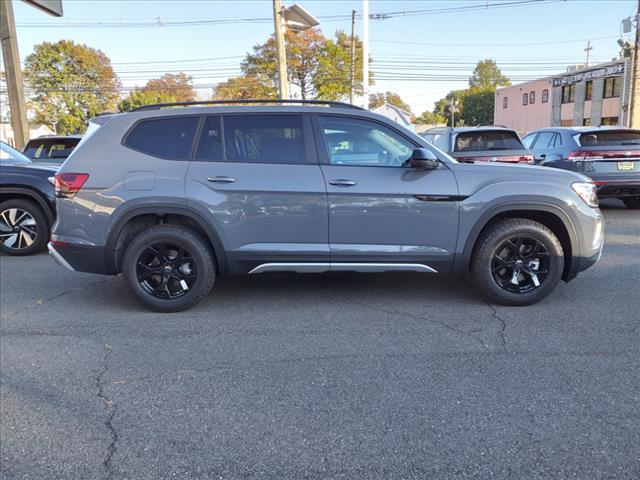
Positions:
(528, 140)
(525, 99)
(532, 98)
(170, 138)
(545, 95)
(612, 87)
(351, 141)
(264, 139)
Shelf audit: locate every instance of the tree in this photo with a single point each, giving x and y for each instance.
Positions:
(488, 75)
(177, 85)
(243, 88)
(138, 98)
(443, 106)
(378, 99)
(71, 83)
(430, 118)
(320, 67)
(477, 106)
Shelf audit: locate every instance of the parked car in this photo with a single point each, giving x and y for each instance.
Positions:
(51, 149)
(480, 144)
(610, 156)
(174, 197)
(27, 203)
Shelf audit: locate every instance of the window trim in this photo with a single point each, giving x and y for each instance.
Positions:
(525, 99)
(194, 142)
(532, 98)
(545, 96)
(323, 154)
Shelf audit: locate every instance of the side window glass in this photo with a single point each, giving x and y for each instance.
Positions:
(528, 140)
(169, 138)
(351, 141)
(544, 140)
(557, 141)
(210, 143)
(442, 142)
(264, 139)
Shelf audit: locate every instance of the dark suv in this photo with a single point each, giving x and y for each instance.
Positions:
(610, 156)
(52, 149)
(174, 197)
(480, 144)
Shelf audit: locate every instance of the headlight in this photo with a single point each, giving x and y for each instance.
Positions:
(587, 192)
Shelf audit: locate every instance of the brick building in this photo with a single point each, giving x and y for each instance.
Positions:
(597, 95)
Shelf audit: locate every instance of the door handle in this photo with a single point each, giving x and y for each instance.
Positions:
(341, 182)
(221, 179)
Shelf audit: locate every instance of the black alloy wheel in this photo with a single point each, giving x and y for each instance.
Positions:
(165, 270)
(520, 264)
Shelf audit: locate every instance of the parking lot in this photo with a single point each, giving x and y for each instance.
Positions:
(323, 376)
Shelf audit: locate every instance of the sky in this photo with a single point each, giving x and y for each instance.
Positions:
(417, 51)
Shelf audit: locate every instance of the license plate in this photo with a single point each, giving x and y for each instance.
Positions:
(626, 166)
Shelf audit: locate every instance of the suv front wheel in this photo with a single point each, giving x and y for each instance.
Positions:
(517, 262)
(169, 267)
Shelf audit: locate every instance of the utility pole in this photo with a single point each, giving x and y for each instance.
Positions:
(453, 112)
(365, 53)
(353, 55)
(13, 74)
(280, 46)
(634, 113)
(588, 50)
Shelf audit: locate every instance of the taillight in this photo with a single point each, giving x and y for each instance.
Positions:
(68, 184)
(526, 159)
(592, 155)
(584, 155)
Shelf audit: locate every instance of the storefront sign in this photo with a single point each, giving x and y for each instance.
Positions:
(588, 75)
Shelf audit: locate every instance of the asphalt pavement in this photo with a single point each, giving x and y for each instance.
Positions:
(333, 376)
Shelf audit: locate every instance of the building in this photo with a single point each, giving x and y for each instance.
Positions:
(396, 114)
(597, 95)
(6, 132)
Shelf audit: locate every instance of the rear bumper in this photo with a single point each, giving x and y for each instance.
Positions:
(79, 258)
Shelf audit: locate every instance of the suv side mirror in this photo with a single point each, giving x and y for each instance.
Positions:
(424, 159)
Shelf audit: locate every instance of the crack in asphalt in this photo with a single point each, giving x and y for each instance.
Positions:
(416, 317)
(494, 313)
(111, 409)
(52, 297)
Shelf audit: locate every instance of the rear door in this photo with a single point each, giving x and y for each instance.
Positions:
(380, 211)
(540, 148)
(260, 186)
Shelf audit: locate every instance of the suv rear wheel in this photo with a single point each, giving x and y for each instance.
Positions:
(632, 202)
(169, 267)
(23, 227)
(517, 262)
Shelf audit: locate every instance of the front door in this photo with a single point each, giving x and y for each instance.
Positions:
(384, 215)
(263, 191)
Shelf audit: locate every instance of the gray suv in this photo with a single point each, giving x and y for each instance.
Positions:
(174, 197)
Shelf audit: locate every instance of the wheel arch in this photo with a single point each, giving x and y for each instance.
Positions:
(10, 193)
(549, 215)
(135, 219)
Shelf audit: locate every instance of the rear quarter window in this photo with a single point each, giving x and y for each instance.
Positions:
(487, 140)
(170, 138)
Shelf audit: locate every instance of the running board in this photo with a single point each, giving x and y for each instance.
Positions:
(342, 267)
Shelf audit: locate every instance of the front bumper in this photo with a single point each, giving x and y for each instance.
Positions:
(617, 188)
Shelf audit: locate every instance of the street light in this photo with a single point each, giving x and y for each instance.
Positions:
(297, 19)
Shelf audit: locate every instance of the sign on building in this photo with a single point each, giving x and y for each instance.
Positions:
(616, 69)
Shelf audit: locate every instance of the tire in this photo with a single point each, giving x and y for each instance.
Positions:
(23, 227)
(155, 273)
(495, 265)
(632, 203)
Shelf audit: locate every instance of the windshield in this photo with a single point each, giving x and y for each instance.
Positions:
(9, 154)
(487, 140)
(610, 138)
(50, 150)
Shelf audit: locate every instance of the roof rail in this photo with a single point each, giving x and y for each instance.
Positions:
(158, 106)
